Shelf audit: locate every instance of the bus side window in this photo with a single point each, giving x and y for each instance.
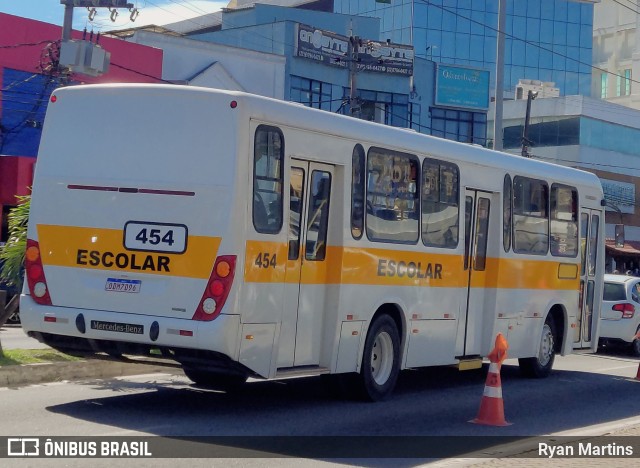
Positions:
(268, 160)
(530, 216)
(318, 219)
(564, 221)
(440, 203)
(357, 192)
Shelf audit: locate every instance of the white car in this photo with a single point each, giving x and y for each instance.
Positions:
(620, 317)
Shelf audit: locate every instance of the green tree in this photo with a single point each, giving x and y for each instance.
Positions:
(12, 254)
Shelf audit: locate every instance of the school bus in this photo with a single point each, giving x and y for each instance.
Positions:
(249, 237)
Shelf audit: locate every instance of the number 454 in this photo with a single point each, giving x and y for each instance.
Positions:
(265, 260)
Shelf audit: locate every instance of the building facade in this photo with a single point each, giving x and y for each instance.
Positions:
(28, 75)
(616, 53)
(546, 40)
(596, 136)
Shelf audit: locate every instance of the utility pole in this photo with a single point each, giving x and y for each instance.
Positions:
(525, 130)
(354, 101)
(497, 118)
(83, 56)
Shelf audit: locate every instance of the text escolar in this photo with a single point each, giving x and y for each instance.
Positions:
(409, 269)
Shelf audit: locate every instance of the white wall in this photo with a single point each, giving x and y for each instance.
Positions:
(616, 47)
(217, 65)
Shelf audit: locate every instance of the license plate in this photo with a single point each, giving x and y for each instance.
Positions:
(155, 237)
(123, 285)
(117, 327)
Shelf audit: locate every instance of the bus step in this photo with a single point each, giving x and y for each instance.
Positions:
(469, 364)
(285, 372)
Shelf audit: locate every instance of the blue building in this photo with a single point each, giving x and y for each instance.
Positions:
(546, 40)
(393, 87)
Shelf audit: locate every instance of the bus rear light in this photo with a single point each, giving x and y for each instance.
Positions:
(628, 310)
(35, 274)
(217, 290)
(209, 306)
(40, 289)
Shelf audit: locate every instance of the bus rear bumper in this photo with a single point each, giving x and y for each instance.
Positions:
(60, 326)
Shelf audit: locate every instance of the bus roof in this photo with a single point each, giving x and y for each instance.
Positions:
(290, 114)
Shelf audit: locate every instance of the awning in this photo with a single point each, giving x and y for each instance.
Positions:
(630, 247)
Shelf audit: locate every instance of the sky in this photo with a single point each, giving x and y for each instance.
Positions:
(151, 12)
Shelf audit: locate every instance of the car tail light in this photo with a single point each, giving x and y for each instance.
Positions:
(35, 274)
(217, 290)
(628, 310)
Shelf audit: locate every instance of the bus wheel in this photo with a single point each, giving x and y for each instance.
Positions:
(540, 366)
(381, 360)
(215, 380)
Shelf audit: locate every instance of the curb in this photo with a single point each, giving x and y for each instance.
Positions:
(29, 374)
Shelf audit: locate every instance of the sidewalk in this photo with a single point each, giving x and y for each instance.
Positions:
(12, 337)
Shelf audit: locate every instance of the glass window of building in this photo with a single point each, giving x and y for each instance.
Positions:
(464, 126)
(604, 85)
(623, 82)
(560, 28)
(311, 93)
(387, 108)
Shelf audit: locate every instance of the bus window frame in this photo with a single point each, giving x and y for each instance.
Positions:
(276, 229)
(441, 164)
(412, 158)
(575, 212)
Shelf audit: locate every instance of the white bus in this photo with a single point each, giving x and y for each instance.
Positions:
(249, 237)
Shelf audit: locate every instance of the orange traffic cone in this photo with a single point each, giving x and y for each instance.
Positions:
(491, 411)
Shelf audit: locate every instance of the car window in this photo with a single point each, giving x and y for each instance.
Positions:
(635, 292)
(614, 292)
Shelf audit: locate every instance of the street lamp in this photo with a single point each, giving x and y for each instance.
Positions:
(525, 131)
(619, 232)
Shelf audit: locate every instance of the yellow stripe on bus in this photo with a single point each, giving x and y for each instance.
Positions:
(103, 249)
(385, 267)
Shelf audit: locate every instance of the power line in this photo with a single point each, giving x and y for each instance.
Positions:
(626, 6)
(141, 73)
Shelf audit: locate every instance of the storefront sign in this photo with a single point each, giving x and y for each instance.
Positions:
(333, 49)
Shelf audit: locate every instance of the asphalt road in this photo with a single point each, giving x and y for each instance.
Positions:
(584, 390)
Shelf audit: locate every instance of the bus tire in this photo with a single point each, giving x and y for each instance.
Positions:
(214, 380)
(540, 366)
(380, 360)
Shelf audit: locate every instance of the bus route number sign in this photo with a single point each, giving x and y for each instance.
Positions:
(155, 237)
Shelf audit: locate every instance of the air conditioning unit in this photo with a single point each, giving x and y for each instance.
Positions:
(544, 89)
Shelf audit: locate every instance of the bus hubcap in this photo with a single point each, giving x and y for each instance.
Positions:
(546, 346)
(382, 358)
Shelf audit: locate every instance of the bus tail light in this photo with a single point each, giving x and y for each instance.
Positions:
(217, 290)
(628, 310)
(35, 274)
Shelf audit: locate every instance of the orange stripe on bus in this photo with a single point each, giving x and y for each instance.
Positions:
(385, 267)
(86, 247)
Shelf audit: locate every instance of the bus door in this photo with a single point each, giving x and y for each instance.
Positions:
(590, 289)
(305, 278)
(476, 231)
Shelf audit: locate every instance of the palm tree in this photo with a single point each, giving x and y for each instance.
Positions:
(12, 254)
